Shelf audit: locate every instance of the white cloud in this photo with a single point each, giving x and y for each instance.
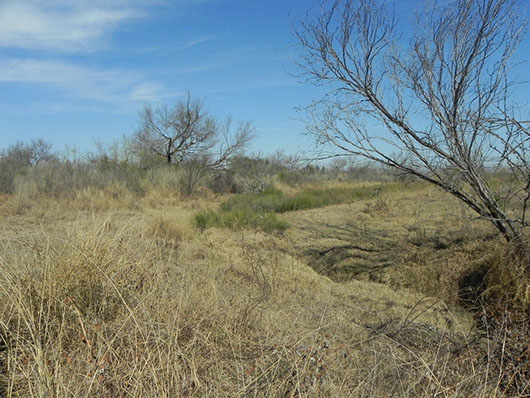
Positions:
(150, 92)
(107, 85)
(63, 25)
(70, 26)
(196, 42)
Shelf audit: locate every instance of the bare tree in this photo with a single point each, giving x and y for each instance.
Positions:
(187, 136)
(178, 132)
(187, 132)
(436, 107)
(29, 154)
(20, 157)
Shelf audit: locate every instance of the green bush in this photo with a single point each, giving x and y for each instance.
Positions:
(239, 219)
(275, 201)
(267, 201)
(259, 210)
(314, 198)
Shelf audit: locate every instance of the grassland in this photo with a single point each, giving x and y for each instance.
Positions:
(345, 290)
(259, 210)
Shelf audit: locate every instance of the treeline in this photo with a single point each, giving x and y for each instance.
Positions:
(33, 169)
(179, 148)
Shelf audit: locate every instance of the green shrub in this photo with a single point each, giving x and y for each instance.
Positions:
(267, 201)
(259, 210)
(275, 201)
(239, 219)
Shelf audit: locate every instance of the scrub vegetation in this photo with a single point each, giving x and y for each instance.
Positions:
(175, 264)
(341, 280)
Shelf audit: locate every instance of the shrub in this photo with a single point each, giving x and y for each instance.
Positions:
(275, 201)
(241, 218)
(259, 210)
(68, 178)
(224, 182)
(18, 158)
(267, 201)
(161, 179)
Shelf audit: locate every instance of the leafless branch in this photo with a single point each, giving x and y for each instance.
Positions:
(435, 108)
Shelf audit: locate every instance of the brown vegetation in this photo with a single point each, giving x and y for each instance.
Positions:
(354, 299)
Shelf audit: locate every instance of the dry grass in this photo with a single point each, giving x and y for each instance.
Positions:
(135, 302)
(417, 239)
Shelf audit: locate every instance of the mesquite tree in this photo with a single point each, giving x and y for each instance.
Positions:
(435, 105)
(185, 133)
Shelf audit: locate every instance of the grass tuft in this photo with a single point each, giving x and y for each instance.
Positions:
(240, 218)
(258, 210)
(277, 202)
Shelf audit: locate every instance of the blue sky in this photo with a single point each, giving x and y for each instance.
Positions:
(72, 71)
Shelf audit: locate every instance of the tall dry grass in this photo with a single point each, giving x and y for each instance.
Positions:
(111, 306)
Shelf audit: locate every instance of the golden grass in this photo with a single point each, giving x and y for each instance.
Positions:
(126, 301)
(420, 239)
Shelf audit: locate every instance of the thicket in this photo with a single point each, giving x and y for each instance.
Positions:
(32, 170)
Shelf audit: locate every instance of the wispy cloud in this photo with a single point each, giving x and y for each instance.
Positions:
(151, 92)
(63, 25)
(108, 85)
(171, 47)
(50, 30)
(196, 42)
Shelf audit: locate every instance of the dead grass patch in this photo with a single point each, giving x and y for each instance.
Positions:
(138, 303)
